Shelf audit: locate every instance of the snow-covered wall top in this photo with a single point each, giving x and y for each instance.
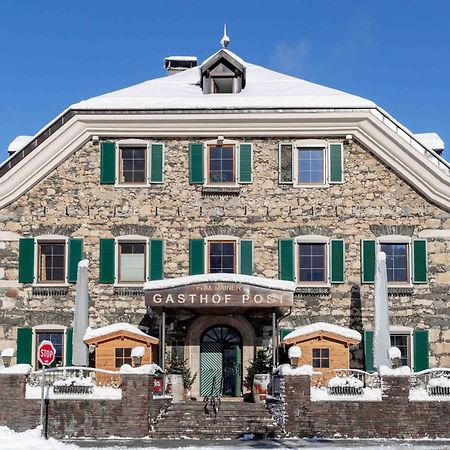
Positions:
(323, 327)
(220, 277)
(103, 331)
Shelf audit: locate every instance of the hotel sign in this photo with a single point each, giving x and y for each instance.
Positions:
(218, 295)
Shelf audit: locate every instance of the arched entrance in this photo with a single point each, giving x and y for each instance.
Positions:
(221, 361)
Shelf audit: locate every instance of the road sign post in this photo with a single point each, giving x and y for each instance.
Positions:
(46, 355)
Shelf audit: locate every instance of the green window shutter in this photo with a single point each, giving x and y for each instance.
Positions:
(75, 256)
(337, 261)
(286, 259)
(107, 261)
(285, 164)
(196, 256)
(26, 260)
(156, 163)
(284, 332)
(245, 163)
(246, 257)
(69, 347)
(107, 162)
(196, 163)
(24, 345)
(156, 259)
(420, 263)
(368, 351)
(336, 163)
(421, 350)
(368, 261)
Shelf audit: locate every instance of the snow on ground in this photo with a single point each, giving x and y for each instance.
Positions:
(287, 369)
(421, 395)
(17, 369)
(403, 371)
(99, 393)
(146, 369)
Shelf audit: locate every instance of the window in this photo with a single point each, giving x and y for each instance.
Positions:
(123, 356)
(312, 262)
(51, 262)
(321, 358)
(133, 165)
(310, 166)
(221, 164)
(402, 341)
(56, 337)
(396, 261)
(222, 257)
(132, 258)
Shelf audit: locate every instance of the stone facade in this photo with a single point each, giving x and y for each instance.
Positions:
(372, 201)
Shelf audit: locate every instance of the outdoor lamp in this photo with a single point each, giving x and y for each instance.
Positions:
(395, 356)
(294, 354)
(7, 355)
(137, 354)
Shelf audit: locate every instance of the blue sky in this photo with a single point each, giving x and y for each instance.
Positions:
(55, 53)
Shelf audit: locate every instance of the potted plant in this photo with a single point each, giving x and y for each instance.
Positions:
(258, 376)
(180, 379)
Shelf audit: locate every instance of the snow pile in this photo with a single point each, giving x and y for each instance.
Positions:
(18, 369)
(98, 393)
(30, 440)
(439, 382)
(113, 328)
(218, 278)
(18, 143)
(394, 352)
(74, 381)
(295, 352)
(286, 369)
(8, 352)
(138, 351)
(146, 369)
(325, 328)
(402, 371)
(345, 381)
(368, 395)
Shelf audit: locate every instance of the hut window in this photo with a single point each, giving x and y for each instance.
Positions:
(123, 356)
(321, 358)
(312, 262)
(221, 164)
(222, 256)
(57, 339)
(132, 262)
(51, 262)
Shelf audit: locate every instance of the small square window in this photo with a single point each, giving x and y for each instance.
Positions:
(312, 263)
(321, 358)
(222, 256)
(133, 165)
(397, 262)
(123, 356)
(51, 262)
(221, 164)
(56, 337)
(311, 166)
(402, 342)
(132, 262)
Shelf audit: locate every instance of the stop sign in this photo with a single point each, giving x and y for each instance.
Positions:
(46, 353)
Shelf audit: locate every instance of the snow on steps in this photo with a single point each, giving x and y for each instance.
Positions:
(233, 420)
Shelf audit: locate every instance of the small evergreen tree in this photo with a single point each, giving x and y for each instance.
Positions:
(261, 364)
(179, 367)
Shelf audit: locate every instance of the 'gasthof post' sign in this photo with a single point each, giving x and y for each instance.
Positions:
(218, 295)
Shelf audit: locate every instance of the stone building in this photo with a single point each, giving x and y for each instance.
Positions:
(221, 169)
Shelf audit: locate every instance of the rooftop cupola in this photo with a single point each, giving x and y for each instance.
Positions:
(175, 64)
(223, 72)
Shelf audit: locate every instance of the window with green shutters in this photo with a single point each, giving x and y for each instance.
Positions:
(246, 257)
(75, 256)
(337, 261)
(368, 248)
(336, 163)
(286, 259)
(26, 260)
(107, 260)
(421, 350)
(420, 261)
(24, 345)
(107, 162)
(245, 163)
(156, 163)
(196, 174)
(68, 347)
(196, 256)
(156, 259)
(368, 351)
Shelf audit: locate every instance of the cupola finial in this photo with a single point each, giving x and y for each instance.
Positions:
(225, 39)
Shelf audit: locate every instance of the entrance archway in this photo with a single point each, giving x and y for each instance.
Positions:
(221, 361)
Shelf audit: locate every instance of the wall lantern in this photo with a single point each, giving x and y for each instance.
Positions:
(294, 354)
(137, 353)
(6, 355)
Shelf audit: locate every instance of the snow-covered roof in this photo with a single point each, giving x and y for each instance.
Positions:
(264, 89)
(18, 143)
(113, 328)
(431, 140)
(325, 328)
(223, 52)
(220, 277)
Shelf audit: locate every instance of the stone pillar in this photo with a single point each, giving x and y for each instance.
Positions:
(298, 405)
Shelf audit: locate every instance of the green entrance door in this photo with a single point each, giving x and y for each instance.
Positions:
(221, 362)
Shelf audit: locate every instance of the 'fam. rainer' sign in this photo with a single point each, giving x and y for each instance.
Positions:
(218, 295)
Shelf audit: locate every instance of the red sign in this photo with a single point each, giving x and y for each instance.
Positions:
(46, 353)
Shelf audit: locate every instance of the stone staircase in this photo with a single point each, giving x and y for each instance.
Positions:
(234, 419)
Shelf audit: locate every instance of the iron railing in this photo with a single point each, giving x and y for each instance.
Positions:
(422, 380)
(213, 401)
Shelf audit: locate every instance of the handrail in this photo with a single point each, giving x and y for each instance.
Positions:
(213, 401)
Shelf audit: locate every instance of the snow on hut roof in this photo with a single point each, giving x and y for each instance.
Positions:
(264, 89)
(325, 328)
(92, 333)
(220, 277)
(18, 143)
(431, 140)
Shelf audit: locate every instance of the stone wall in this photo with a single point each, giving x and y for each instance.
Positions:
(372, 201)
(132, 416)
(393, 417)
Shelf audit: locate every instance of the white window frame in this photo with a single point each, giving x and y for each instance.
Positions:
(221, 142)
(406, 331)
(223, 237)
(51, 328)
(130, 238)
(312, 239)
(398, 239)
(51, 238)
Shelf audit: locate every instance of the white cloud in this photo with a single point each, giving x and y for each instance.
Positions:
(291, 58)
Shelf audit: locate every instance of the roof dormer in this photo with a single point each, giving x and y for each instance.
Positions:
(223, 72)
